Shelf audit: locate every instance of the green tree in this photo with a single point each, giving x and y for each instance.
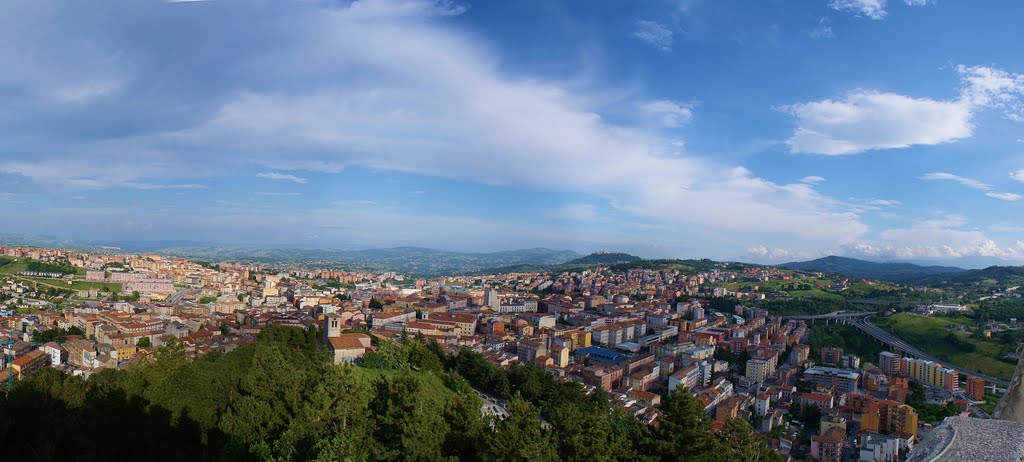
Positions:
(407, 425)
(520, 436)
(387, 355)
(144, 342)
(738, 442)
(468, 427)
(684, 430)
(420, 356)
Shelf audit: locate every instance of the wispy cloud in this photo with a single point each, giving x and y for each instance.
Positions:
(356, 203)
(884, 202)
(1004, 196)
(822, 30)
(654, 34)
(668, 113)
(874, 9)
(137, 185)
(383, 86)
(969, 182)
(974, 184)
(281, 176)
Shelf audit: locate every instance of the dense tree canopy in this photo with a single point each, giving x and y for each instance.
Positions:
(281, 399)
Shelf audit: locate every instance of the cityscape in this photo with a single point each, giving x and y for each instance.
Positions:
(796, 357)
(514, 230)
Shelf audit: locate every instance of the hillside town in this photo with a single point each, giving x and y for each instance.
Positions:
(636, 333)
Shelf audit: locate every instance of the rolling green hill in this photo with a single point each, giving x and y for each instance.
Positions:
(992, 277)
(604, 258)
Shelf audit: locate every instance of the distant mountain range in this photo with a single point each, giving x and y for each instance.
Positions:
(604, 258)
(416, 261)
(892, 272)
(419, 261)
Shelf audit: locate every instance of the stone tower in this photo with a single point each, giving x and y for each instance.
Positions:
(332, 326)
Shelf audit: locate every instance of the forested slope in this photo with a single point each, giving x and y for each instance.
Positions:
(279, 400)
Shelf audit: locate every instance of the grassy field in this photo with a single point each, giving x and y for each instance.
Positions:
(75, 285)
(991, 401)
(935, 337)
(13, 267)
(816, 293)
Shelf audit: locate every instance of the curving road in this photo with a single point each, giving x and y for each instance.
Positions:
(902, 346)
(862, 320)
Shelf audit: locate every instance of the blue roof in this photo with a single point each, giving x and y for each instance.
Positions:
(603, 355)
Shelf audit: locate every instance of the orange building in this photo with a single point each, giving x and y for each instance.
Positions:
(976, 388)
(890, 418)
(29, 362)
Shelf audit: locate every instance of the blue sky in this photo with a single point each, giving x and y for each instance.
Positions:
(762, 131)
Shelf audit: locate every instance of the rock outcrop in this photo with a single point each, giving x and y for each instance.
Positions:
(1011, 407)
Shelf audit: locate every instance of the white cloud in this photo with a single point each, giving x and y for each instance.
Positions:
(281, 176)
(576, 212)
(864, 120)
(884, 202)
(356, 203)
(867, 119)
(943, 236)
(138, 185)
(813, 179)
(379, 85)
(654, 34)
(874, 9)
(973, 184)
(390, 9)
(940, 237)
(669, 113)
(995, 88)
(969, 182)
(918, 2)
(943, 243)
(1017, 175)
(1005, 196)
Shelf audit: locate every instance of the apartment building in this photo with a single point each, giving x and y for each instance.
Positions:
(841, 380)
(890, 418)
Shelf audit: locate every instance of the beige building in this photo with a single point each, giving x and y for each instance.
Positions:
(344, 348)
(757, 370)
